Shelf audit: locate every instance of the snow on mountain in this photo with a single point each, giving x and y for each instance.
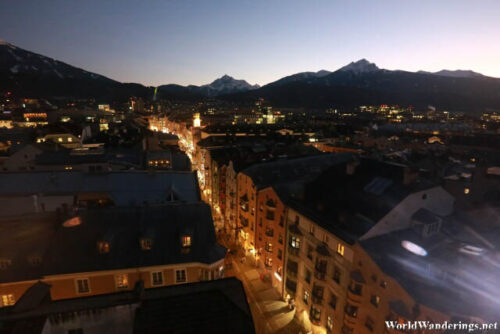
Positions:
(17, 61)
(360, 66)
(226, 85)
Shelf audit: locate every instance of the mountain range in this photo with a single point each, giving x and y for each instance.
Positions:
(358, 83)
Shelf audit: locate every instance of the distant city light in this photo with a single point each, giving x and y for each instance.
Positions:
(413, 248)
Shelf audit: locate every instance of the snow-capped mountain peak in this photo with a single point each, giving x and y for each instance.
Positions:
(227, 84)
(360, 66)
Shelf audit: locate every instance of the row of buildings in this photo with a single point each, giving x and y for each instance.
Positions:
(350, 241)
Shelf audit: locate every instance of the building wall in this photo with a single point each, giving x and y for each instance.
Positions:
(270, 230)
(16, 289)
(377, 283)
(246, 217)
(231, 200)
(103, 282)
(311, 235)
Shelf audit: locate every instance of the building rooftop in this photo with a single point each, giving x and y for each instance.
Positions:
(125, 187)
(457, 276)
(287, 170)
(62, 250)
(349, 204)
(218, 306)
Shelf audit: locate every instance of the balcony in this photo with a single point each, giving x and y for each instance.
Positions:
(351, 314)
(293, 251)
(291, 273)
(353, 296)
(316, 299)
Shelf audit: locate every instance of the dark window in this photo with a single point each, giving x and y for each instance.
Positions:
(336, 275)
(180, 276)
(308, 276)
(356, 288)
(333, 301)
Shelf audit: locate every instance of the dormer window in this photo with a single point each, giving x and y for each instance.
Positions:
(340, 249)
(186, 241)
(103, 247)
(35, 260)
(146, 243)
(5, 263)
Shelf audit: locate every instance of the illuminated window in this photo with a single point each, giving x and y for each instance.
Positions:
(103, 247)
(60, 139)
(8, 300)
(306, 297)
(122, 281)
(70, 139)
(180, 276)
(340, 249)
(186, 241)
(294, 242)
(329, 324)
(269, 262)
(146, 243)
(375, 300)
(466, 191)
(269, 247)
(157, 278)
(82, 285)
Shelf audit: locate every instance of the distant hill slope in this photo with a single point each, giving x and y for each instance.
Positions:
(358, 83)
(362, 83)
(30, 74)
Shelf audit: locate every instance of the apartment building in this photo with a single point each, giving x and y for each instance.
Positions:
(368, 243)
(318, 267)
(109, 250)
(263, 192)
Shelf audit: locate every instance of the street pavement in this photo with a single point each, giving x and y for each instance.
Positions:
(270, 313)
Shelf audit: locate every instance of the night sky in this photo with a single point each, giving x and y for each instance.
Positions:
(193, 42)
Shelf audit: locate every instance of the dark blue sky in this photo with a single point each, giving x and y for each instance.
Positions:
(193, 42)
